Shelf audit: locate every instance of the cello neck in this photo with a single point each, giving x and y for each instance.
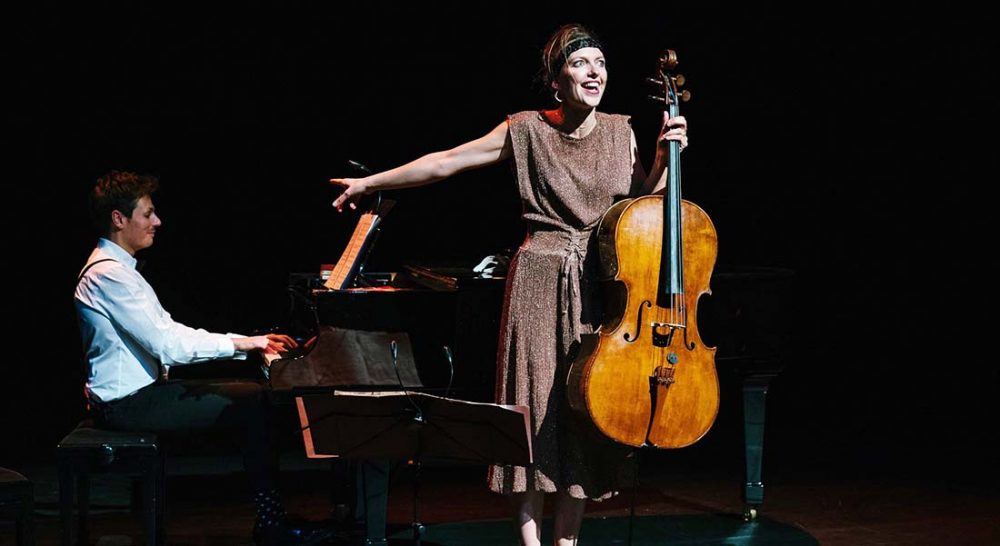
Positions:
(671, 281)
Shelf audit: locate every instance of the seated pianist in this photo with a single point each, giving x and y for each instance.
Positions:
(129, 338)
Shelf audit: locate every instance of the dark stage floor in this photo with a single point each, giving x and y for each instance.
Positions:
(676, 505)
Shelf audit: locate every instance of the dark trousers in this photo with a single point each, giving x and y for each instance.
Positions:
(239, 407)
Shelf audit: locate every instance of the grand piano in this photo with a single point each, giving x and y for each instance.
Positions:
(445, 321)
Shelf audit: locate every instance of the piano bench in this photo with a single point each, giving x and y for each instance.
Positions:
(17, 502)
(88, 450)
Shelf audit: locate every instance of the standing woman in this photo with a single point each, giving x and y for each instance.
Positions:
(572, 164)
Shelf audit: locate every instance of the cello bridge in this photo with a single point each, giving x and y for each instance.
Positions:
(671, 325)
(664, 339)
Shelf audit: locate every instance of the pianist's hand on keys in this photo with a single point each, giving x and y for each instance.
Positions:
(270, 344)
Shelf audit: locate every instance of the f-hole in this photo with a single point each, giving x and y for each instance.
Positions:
(638, 322)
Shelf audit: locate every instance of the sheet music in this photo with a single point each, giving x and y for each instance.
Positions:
(361, 240)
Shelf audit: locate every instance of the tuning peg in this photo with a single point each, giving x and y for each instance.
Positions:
(654, 81)
(685, 95)
(656, 98)
(679, 80)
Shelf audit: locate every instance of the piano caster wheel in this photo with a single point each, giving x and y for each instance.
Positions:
(749, 513)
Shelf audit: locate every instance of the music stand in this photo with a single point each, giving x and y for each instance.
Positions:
(408, 425)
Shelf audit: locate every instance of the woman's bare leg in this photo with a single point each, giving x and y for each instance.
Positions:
(528, 516)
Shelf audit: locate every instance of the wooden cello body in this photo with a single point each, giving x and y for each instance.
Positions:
(646, 378)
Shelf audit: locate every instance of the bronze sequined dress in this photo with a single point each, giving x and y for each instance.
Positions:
(566, 184)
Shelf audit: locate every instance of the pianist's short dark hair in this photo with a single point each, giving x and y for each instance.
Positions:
(121, 191)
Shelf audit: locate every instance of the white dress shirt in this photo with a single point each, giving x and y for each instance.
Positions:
(126, 332)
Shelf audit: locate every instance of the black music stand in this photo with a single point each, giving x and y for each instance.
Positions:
(407, 425)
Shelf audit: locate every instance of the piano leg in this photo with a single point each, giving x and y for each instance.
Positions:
(372, 499)
(754, 406)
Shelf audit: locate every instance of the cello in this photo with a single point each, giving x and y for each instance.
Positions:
(646, 379)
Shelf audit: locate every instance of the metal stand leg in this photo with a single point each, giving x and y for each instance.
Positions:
(754, 406)
(635, 493)
(373, 498)
(419, 529)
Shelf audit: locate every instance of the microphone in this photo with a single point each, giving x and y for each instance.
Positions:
(451, 369)
(394, 351)
(359, 167)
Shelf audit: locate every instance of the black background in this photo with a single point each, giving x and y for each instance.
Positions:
(850, 145)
